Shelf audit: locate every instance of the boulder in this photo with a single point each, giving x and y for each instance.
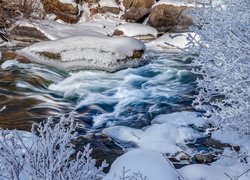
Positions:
(137, 10)
(87, 52)
(67, 12)
(169, 17)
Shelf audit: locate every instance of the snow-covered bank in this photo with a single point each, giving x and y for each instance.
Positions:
(142, 164)
(87, 52)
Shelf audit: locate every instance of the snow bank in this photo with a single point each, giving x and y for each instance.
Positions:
(149, 164)
(87, 52)
(165, 138)
(184, 118)
(172, 41)
(135, 29)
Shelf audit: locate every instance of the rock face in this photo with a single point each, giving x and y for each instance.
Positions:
(67, 12)
(137, 10)
(168, 17)
(87, 52)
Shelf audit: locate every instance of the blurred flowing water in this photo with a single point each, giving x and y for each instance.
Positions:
(131, 97)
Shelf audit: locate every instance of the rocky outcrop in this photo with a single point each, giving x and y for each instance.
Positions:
(168, 17)
(137, 10)
(67, 12)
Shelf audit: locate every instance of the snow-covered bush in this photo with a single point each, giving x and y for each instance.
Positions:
(48, 154)
(223, 61)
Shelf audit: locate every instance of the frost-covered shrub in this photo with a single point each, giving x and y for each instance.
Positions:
(223, 61)
(47, 154)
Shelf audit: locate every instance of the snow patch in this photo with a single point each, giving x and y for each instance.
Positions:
(184, 118)
(177, 3)
(172, 41)
(165, 138)
(108, 3)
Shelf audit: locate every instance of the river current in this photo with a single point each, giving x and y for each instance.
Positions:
(131, 97)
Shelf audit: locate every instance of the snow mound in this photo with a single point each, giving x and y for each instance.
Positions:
(87, 52)
(149, 164)
(184, 118)
(135, 29)
(172, 41)
(165, 138)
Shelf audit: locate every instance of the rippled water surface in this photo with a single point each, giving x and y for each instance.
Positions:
(131, 97)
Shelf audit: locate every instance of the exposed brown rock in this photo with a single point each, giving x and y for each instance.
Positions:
(64, 11)
(137, 54)
(205, 158)
(27, 33)
(50, 55)
(138, 3)
(166, 17)
(118, 33)
(104, 9)
(137, 10)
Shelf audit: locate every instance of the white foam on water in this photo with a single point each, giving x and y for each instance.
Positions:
(126, 91)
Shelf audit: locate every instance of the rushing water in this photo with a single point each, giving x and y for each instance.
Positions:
(131, 97)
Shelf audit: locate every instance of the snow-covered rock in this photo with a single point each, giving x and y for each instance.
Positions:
(165, 138)
(172, 41)
(184, 118)
(87, 52)
(138, 162)
(136, 30)
(53, 30)
(167, 15)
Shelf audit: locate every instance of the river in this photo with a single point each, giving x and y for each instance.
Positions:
(130, 97)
